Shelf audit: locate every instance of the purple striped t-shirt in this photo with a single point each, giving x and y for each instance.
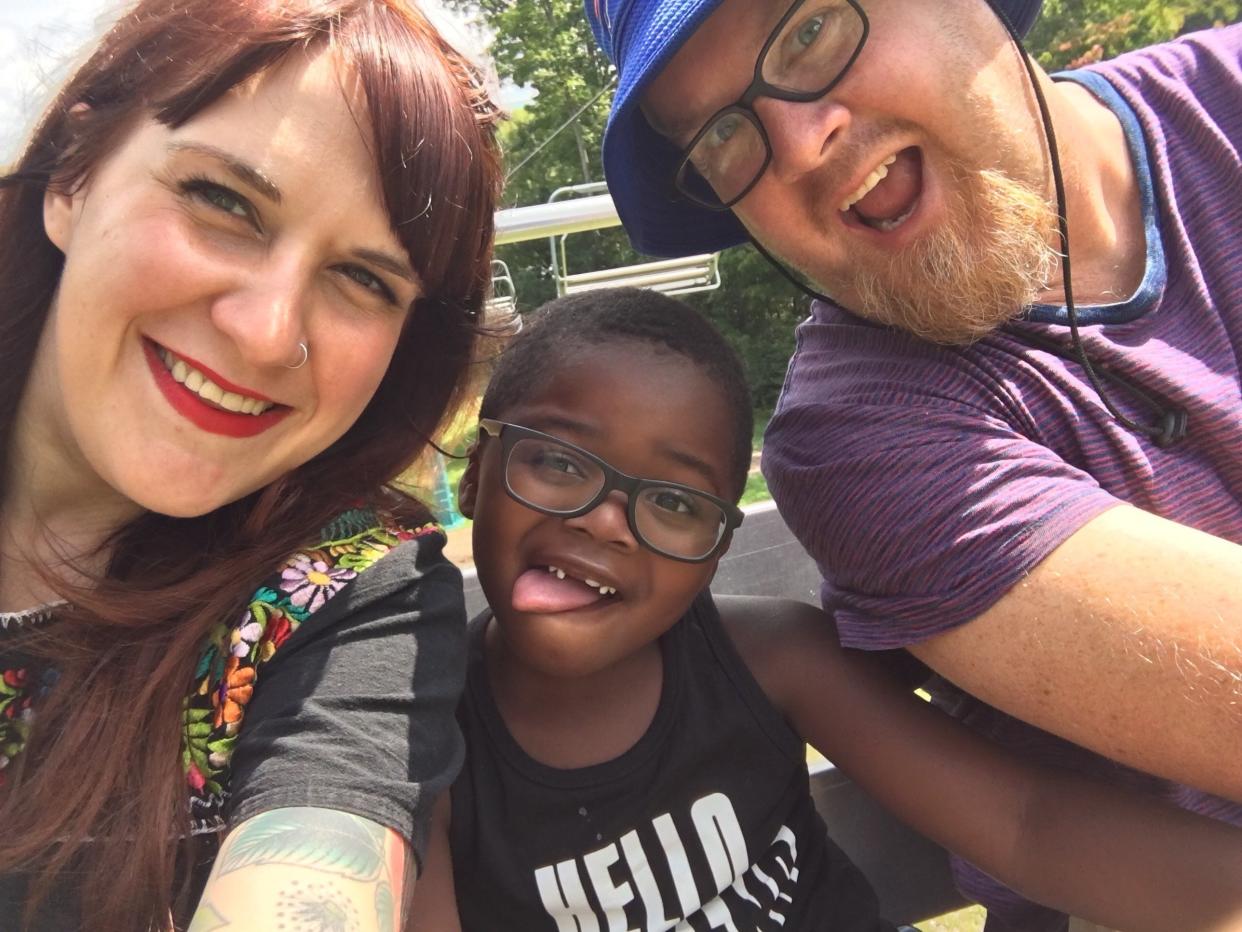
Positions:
(926, 481)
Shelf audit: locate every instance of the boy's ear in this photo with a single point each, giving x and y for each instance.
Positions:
(468, 486)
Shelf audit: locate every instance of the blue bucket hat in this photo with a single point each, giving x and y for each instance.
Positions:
(640, 36)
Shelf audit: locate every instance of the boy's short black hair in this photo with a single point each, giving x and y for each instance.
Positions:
(552, 333)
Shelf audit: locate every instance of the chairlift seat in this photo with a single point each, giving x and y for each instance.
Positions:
(502, 305)
(670, 276)
(581, 207)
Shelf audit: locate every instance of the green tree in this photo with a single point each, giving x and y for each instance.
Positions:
(547, 45)
(1071, 33)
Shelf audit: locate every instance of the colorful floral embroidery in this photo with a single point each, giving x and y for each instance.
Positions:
(21, 686)
(226, 675)
(15, 714)
(310, 583)
(228, 670)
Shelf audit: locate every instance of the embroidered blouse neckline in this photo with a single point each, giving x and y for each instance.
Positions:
(28, 616)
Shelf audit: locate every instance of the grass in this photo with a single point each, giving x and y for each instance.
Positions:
(756, 489)
(964, 920)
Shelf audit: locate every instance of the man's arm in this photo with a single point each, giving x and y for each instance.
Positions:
(307, 868)
(1127, 639)
(1099, 851)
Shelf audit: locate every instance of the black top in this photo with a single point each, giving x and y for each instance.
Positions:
(357, 663)
(708, 818)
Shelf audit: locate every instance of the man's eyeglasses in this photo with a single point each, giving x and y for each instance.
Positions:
(555, 477)
(805, 56)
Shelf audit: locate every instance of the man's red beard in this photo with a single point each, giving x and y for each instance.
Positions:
(986, 261)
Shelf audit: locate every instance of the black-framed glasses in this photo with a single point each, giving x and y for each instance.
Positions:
(804, 57)
(558, 478)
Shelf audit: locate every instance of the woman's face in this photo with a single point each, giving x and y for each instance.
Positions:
(198, 262)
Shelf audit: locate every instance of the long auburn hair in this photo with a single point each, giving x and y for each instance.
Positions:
(99, 789)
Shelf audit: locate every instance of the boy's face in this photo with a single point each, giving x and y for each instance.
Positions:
(648, 413)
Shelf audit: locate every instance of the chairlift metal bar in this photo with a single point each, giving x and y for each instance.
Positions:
(585, 207)
(683, 267)
(520, 224)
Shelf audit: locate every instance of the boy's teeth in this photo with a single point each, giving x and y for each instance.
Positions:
(603, 590)
(208, 390)
(878, 174)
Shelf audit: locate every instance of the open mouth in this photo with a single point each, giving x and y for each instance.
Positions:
(889, 196)
(550, 589)
(196, 381)
(206, 399)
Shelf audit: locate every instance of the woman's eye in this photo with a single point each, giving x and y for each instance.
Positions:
(220, 198)
(370, 281)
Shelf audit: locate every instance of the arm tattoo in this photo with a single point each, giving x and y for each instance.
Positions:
(208, 918)
(315, 906)
(305, 869)
(385, 909)
(322, 839)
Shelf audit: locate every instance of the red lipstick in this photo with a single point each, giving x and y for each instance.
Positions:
(203, 415)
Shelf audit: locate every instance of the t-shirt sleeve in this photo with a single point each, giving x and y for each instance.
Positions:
(921, 510)
(356, 711)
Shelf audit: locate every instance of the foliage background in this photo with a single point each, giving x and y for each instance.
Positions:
(547, 45)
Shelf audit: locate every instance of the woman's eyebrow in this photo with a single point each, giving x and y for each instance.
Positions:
(389, 263)
(244, 172)
(256, 179)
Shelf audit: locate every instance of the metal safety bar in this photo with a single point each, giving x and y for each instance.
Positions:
(579, 209)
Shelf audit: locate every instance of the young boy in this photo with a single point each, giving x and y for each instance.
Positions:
(635, 757)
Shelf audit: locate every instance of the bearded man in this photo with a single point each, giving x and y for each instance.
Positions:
(1030, 479)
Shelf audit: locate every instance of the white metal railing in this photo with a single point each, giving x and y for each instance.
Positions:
(519, 224)
(580, 209)
(503, 302)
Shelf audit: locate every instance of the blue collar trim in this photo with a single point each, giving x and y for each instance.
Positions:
(1154, 278)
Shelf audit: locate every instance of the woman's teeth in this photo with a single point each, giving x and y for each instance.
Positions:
(877, 175)
(603, 590)
(208, 390)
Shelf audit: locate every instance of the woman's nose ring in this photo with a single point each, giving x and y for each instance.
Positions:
(305, 356)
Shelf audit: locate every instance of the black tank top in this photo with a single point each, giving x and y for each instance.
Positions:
(705, 823)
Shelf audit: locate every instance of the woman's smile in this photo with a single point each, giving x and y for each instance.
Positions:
(208, 400)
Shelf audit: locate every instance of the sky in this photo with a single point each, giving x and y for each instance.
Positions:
(39, 42)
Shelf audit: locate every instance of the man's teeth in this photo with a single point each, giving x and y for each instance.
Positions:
(603, 590)
(887, 226)
(208, 390)
(877, 175)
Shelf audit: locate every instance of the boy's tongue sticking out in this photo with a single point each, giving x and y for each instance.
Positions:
(544, 591)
